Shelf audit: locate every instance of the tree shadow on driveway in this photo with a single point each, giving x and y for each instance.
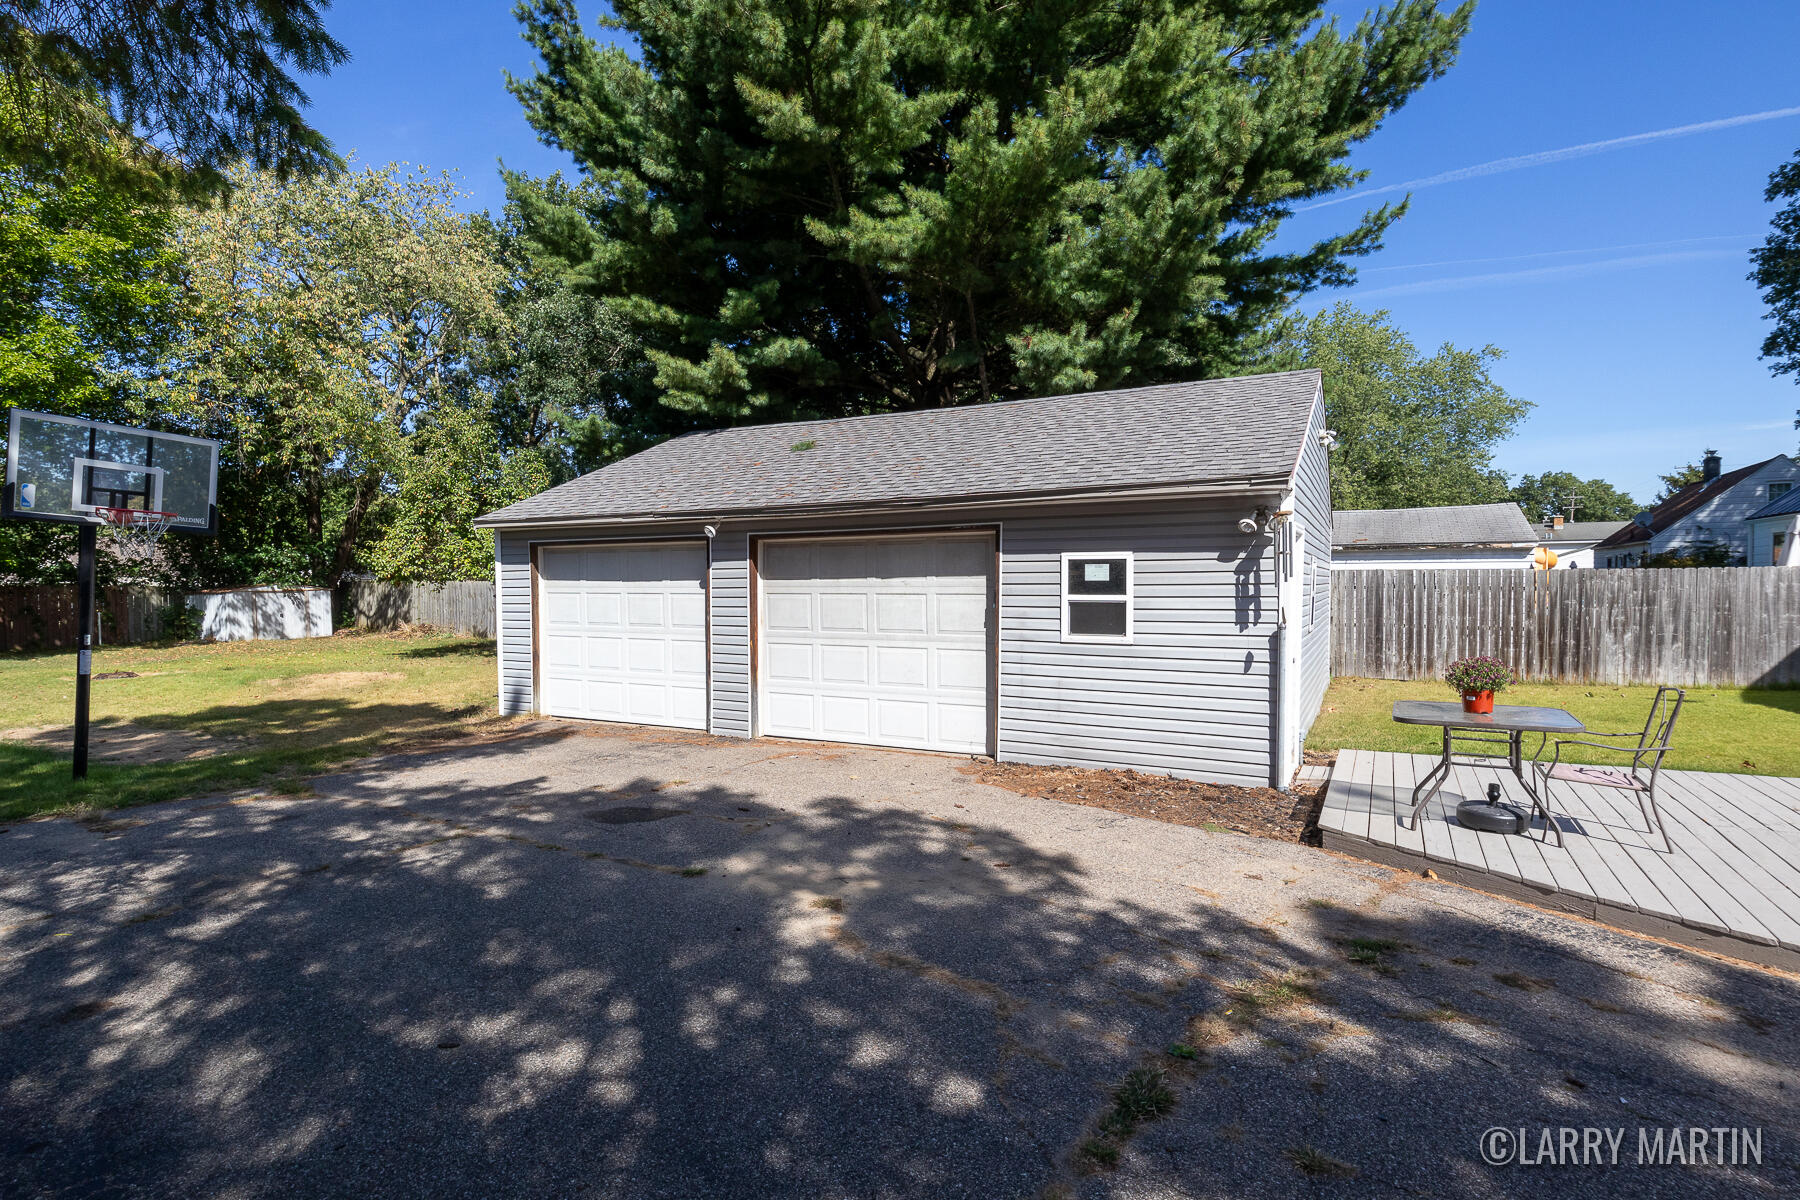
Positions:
(459, 987)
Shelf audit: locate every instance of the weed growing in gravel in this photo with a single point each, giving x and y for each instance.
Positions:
(1318, 1164)
(1370, 952)
(1143, 1095)
(1270, 994)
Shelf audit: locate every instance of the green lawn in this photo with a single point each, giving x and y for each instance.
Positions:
(278, 710)
(1752, 731)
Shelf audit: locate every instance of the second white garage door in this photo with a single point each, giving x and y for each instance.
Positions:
(624, 633)
(876, 640)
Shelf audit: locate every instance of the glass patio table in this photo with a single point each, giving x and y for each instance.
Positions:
(1505, 727)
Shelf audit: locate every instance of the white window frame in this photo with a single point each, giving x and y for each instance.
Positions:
(1786, 486)
(1130, 596)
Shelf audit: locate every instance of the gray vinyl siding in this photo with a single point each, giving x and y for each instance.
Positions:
(1190, 694)
(1312, 501)
(512, 579)
(730, 635)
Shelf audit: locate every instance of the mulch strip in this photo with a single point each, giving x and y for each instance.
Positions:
(1259, 812)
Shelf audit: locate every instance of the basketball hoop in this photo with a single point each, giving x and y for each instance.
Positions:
(135, 531)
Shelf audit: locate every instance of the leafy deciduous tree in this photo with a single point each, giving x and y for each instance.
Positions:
(860, 205)
(1675, 480)
(1411, 431)
(331, 319)
(87, 298)
(454, 472)
(572, 372)
(1554, 492)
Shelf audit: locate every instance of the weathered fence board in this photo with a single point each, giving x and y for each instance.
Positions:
(1715, 625)
(466, 606)
(43, 617)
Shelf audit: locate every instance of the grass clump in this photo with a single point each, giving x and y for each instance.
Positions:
(1369, 952)
(1143, 1095)
(1271, 994)
(1317, 1163)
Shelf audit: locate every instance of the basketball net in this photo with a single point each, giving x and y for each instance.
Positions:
(135, 531)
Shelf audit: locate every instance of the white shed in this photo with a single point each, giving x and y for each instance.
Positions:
(263, 613)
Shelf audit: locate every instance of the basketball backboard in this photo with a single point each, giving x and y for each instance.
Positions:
(70, 469)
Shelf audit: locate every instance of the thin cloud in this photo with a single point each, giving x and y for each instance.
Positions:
(1741, 238)
(1519, 162)
(1459, 282)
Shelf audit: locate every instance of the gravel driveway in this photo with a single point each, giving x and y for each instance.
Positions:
(590, 962)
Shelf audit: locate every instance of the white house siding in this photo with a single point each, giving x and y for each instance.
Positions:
(1573, 557)
(1312, 502)
(1189, 696)
(1722, 518)
(1513, 558)
(1762, 539)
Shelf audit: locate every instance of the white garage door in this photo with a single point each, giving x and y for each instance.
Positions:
(878, 640)
(623, 636)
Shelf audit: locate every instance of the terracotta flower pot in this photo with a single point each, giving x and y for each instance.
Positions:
(1478, 702)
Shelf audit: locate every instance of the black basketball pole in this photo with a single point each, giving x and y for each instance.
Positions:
(84, 664)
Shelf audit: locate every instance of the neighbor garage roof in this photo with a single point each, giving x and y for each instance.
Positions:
(1581, 531)
(1247, 430)
(1448, 525)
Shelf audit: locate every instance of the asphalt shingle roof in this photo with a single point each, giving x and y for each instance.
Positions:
(1448, 525)
(1681, 504)
(1780, 506)
(1581, 531)
(1216, 431)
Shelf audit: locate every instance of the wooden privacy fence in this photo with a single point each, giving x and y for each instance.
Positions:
(1712, 625)
(466, 606)
(43, 617)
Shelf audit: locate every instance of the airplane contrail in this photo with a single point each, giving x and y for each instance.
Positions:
(1457, 282)
(1519, 162)
(1746, 238)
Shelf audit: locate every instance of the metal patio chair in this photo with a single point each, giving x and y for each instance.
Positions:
(1652, 744)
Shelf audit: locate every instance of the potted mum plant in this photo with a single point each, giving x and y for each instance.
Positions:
(1478, 679)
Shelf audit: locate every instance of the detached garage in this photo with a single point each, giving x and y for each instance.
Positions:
(1133, 578)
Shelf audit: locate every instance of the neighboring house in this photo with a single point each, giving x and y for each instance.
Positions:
(1452, 535)
(1715, 509)
(1774, 531)
(1574, 541)
(1134, 578)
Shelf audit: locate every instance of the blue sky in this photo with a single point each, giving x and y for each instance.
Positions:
(1614, 280)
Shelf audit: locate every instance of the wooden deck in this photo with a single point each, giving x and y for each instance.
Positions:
(1732, 884)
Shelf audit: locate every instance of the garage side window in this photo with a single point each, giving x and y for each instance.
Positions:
(1097, 597)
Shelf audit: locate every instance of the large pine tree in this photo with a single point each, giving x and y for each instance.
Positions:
(825, 207)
